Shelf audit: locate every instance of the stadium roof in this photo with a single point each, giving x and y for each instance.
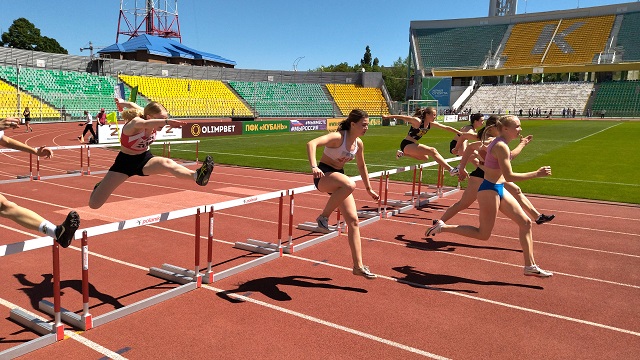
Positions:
(163, 47)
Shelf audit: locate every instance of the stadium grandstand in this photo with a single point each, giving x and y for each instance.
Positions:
(586, 59)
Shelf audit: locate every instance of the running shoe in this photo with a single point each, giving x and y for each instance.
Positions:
(399, 154)
(65, 231)
(544, 218)
(204, 172)
(454, 171)
(534, 270)
(435, 229)
(364, 271)
(323, 222)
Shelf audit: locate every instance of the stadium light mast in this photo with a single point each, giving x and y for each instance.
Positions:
(152, 17)
(502, 7)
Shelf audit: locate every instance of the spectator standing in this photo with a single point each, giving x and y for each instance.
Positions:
(27, 118)
(101, 119)
(88, 127)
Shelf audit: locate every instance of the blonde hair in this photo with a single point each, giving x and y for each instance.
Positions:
(130, 114)
(498, 122)
(153, 108)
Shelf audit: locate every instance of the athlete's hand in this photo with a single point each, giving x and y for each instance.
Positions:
(119, 103)
(44, 151)
(175, 123)
(526, 140)
(374, 195)
(544, 171)
(9, 123)
(462, 174)
(317, 173)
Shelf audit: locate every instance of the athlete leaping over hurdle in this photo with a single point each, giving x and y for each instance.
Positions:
(63, 233)
(138, 132)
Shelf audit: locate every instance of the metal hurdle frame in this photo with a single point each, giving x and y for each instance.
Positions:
(86, 321)
(190, 279)
(369, 217)
(417, 195)
(82, 170)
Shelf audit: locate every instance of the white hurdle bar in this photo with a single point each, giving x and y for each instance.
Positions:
(81, 171)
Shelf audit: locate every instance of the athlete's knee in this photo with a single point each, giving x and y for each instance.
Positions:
(517, 190)
(352, 223)
(6, 206)
(350, 185)
(484, 233)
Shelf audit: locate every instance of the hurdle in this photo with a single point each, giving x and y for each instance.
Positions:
(270, 250)
(86, 321)
(85, 162)
(334, 231)
(400, 206)
(441, 189)
(265, 247)
(36, 324)
(166, 149)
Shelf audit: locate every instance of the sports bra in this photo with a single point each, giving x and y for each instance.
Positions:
(418, 133)
(137, 142)
(341, 154)
(490, 161)
(1, 134)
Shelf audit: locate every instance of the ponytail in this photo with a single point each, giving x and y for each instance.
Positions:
(354, 116)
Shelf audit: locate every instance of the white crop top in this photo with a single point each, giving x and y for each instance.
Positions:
(341, 154)
(1, 134)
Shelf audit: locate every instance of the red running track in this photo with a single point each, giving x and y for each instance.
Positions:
(448, 297)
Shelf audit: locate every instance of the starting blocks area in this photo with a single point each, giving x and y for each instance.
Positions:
(181, 250)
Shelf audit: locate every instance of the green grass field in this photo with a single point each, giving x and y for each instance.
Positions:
(589, 159)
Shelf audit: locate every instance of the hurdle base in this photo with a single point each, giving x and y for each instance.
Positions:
(257, 246)
(23, 177)
(31, 322)
(314, 241)
(313, 227)
(68, 317)
(33, 345)
(182, 273)
(168, 272)
(74, 171)
(399, 203)
(142, 304)
(367, 214)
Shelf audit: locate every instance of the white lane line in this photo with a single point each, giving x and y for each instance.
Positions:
(499, 303)
(538, 241)
(509, 264)
(591, 181)
(86, 342)
(331, 325)
(597, 132)
(291, 312)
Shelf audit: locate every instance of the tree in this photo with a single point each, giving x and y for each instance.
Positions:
(395, 76)
(395, 79)
(22, 34)
(50, 45)
(366, 60)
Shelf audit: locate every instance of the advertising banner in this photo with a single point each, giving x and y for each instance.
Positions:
(450, 118)
(437, 88)
(332, 124)
(108, 134)
(198, 130)
(265, 127)
(308, 125)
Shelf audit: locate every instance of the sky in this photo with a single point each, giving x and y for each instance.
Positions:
(268, 34)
